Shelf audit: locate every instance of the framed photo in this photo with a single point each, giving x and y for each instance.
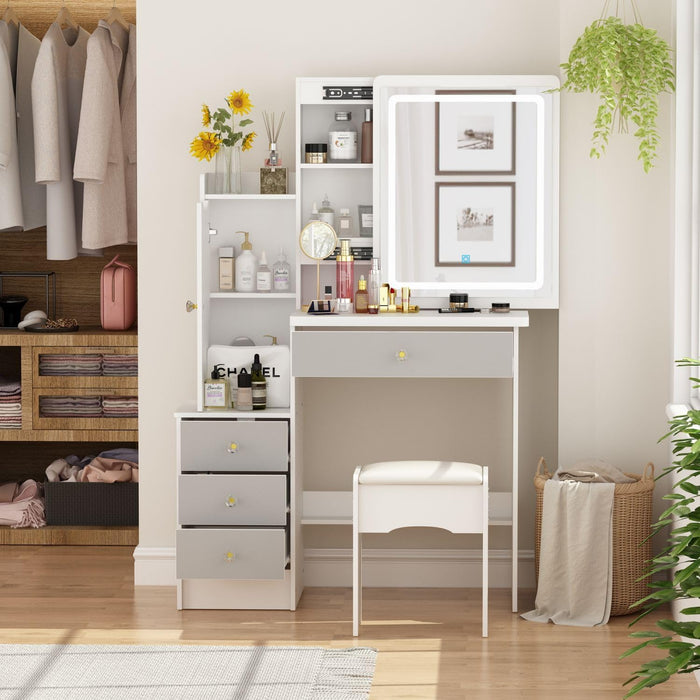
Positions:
(474, 224)
(475, 137)
(365, 219)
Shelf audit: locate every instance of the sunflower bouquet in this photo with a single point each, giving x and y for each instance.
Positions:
(223, 128)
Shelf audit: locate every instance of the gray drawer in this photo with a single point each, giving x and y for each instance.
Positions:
(232, 499)
(231, 554)
(425, 354)
(233, 446)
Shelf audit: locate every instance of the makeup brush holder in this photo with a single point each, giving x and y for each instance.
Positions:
(12, 306)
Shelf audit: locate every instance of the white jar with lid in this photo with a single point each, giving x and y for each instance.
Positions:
(342, 139)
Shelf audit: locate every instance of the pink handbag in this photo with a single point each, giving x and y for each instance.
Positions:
(117, 296)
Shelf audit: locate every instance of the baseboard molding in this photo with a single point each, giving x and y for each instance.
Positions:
(401, 568)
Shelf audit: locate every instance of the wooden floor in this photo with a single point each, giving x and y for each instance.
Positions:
(428, 639)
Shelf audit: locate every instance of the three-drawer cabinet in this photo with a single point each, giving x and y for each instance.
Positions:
(233, 510)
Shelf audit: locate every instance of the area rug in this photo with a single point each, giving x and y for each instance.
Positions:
(101, 672)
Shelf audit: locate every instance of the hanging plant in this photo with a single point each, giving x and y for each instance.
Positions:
(629, 66)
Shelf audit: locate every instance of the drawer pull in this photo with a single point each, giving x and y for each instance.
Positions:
(233, 448)
(402, 356)
(231, 501)
(230, 556)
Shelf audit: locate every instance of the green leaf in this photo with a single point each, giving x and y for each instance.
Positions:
(245, 122)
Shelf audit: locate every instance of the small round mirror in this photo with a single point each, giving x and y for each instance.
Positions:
(318, 240)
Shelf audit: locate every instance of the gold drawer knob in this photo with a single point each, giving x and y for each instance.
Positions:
(230, 556)
(233, 448)
(230, 501)
(190, 306)
(401, 356)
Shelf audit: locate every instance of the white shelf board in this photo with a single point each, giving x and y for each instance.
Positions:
(422, 319)
(336, 166)
(332, 262)
(252, 196)
(335, 508)
(252, 295)
(232, 413)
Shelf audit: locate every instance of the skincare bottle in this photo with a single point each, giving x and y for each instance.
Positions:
(244, 395)
(345, 275)
(344, 223)
(264, 275)
(366, 154)
(226, 268)
(361, 297)
(259, 384)
(216, 390)
(246, 267)
(328, 292)
(314, 213)
(280, 273)
(373, 285)
(326, 212)
(342, 139)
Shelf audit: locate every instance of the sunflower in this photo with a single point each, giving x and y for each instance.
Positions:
(239, 102)
(248, 141)
(205, 146)
(206, 116)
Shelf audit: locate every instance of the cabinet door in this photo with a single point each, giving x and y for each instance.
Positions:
(234, 446)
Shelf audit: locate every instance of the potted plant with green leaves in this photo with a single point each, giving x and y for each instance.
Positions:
(681, 557)
(629, 66)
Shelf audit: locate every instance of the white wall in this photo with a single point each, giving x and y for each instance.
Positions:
(614, 219)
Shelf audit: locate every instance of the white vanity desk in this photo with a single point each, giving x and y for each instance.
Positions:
(479, 345)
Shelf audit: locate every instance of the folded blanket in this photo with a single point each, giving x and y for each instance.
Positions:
(575, 574)
(103, 469)
(26, 508)
(593, 471)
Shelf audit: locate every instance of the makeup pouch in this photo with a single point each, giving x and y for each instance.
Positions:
(117, 296)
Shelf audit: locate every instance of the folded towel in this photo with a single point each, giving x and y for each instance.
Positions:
(26, 508)
(575, 575)
(593, 471)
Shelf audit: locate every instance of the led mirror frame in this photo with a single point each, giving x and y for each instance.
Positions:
(539, 103)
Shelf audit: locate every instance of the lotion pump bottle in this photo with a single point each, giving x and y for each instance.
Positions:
(246, 266)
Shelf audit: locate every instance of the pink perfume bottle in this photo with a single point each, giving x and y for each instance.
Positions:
(345, 274)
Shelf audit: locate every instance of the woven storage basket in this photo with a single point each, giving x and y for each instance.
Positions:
(631, 526)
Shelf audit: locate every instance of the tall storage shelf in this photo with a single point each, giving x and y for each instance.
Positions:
(234, 544)
(348, 185)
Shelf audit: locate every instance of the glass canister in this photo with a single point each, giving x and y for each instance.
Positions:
(342, 139)
(345, 271)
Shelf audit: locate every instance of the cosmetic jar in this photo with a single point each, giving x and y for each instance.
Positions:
(500, 308)
(459, 301)
(316, 153)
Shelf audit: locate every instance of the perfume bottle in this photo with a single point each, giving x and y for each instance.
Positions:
(259, 384)
(345, 275)
(244, 395)
(361, 297)
(280, 273)
(373, 285)
(345, 223)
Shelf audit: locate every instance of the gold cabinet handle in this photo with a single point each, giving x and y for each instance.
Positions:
(401, 355)
(233, 448)
(190, 306)
(229, 557)
(230, 501)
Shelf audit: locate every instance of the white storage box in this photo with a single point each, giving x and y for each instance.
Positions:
(275, 362)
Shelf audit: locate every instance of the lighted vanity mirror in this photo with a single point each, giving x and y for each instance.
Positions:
(467, 185)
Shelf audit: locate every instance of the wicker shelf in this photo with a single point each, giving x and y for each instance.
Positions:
(70, 535)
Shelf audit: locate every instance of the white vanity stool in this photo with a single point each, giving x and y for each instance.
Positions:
(390, 495)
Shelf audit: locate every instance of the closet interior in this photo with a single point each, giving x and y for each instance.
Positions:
(77, 390)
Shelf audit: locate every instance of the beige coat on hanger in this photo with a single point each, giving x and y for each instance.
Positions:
(10, 192)
(57, 89)
(128, 104)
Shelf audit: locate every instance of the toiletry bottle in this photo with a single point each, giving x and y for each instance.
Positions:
(244, 395)
(326, 212)
(264, 275)
(226, 268)
(342, 139)
(280, 273)
(345, 275)
(259, 384)
(345, 223)
(314, 213)
(216, 390)
(366, 154)
(361, 297)
(246, 267)
(328, 292)
(373, 285)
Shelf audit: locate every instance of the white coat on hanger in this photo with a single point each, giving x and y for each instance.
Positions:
(57, 89)
(99, 156)
(10, 191)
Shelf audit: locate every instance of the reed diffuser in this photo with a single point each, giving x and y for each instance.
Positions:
(273, 129)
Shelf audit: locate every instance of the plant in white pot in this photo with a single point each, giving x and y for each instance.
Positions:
(681, 557)
(629, 66)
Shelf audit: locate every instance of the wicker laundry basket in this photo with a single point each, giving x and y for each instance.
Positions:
(631, 526)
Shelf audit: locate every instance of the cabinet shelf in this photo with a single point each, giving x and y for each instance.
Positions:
(232, 413)
(254, 197)
(252, 295)
(336, 166)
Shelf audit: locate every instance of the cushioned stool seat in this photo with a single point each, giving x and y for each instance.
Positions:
(416, 493)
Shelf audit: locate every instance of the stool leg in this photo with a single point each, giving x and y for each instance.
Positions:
(356, 580)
